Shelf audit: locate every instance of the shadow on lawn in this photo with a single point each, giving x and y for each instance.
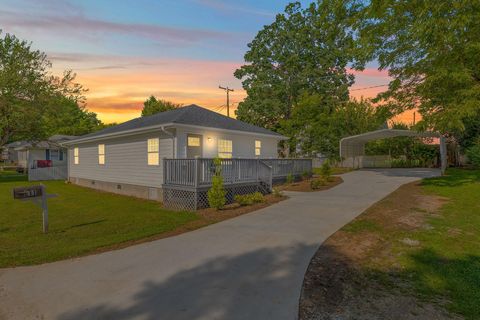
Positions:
(461, 177)
(263, 284)
(337, 287)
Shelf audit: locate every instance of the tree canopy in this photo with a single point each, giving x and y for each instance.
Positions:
(153, 105)
(432, 50)
(304, 51)
(33, 103)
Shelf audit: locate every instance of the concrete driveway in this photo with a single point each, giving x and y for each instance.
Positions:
(250, 267)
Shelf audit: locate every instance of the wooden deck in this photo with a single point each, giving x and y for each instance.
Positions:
(186, 181)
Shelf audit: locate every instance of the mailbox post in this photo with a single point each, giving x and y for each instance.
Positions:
(38, 195)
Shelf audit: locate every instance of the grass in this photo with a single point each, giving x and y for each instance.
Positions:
(10, 176)
(448, 263)
(445, 265)
(82, 221)
(335, 170)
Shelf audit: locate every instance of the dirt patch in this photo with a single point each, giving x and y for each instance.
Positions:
(304, 185)
(343, 279)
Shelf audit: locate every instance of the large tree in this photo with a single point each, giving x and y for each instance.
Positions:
(304, 51)
(432, 50)
(27, 89)
(153, 105)
(315, 128)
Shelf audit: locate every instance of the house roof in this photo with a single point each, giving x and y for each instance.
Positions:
(189, 115)
(52, 142)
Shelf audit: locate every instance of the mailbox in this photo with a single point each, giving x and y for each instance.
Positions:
(27, 192)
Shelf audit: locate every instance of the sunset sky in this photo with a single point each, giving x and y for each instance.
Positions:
(124, 51)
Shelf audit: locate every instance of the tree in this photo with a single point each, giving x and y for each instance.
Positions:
(65, 116)
(304, 51)
(152, 106)
(27, 88)
(432, 50)
(317, 124)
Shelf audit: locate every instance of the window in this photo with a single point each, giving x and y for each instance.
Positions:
(258, 147)
(153, 147)
(193, 141)
(225, 148)
(54, 155)
(101, 154)
(75, 155)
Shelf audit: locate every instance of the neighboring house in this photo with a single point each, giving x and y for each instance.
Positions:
(127, 158)
(9, 154)
(48, 153)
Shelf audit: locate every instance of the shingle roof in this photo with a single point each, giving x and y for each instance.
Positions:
(189, 115)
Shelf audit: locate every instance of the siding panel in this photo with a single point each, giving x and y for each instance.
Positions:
(125, 161)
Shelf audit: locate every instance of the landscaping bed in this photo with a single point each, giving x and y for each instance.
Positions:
(306, 184)
(413, 255)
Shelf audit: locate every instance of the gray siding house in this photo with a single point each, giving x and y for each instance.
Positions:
(128, 158)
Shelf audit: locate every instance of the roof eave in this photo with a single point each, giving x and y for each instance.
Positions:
(156, 127)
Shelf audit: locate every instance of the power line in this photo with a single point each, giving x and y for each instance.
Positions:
(380, 85)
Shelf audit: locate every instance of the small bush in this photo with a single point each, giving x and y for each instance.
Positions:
(473, 154)
(317, 183)
(306, 175)
(216, 194)
(277, 193)
(290, 178)
(326, 170)
(249, 199)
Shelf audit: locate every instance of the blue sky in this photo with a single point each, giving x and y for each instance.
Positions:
(124, 51)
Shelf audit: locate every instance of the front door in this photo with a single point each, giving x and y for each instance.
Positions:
(194, 146)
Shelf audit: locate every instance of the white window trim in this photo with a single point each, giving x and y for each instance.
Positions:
(225, 153)
(258, 148)
(76, 155)
(101, 154)
(153, 155)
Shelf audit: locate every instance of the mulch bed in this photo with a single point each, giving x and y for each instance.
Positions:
(304, 185)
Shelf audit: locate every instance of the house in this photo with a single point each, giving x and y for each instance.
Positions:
(129, 158)
(47, 153)
(9, 154)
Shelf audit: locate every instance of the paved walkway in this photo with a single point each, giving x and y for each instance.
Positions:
(250, 267)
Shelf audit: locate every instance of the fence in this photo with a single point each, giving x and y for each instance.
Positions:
(48, 173)
(186, 181)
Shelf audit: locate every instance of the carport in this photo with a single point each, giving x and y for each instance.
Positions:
(352, 149)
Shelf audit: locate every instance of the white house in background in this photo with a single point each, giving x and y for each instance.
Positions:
(32, 155)
(127, 158)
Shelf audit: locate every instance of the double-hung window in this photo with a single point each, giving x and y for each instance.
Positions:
(75, 156)
(101, 154)
(225, 148)
(152, 150)
(258, 148)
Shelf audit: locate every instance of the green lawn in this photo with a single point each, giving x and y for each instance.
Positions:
(81, 221)
(449, 261)
(445, 265)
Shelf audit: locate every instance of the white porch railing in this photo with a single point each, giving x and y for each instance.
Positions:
(48, 173)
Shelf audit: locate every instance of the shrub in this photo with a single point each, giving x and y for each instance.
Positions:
(306, 175)
(317, 183)
(277, 193)
(290, 178)
(248, 199)
(216, 194)
(326, 170)
(473, 154)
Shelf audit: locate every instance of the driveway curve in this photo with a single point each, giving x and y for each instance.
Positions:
(249, 267)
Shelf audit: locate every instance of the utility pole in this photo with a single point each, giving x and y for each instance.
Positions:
(228, 90)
